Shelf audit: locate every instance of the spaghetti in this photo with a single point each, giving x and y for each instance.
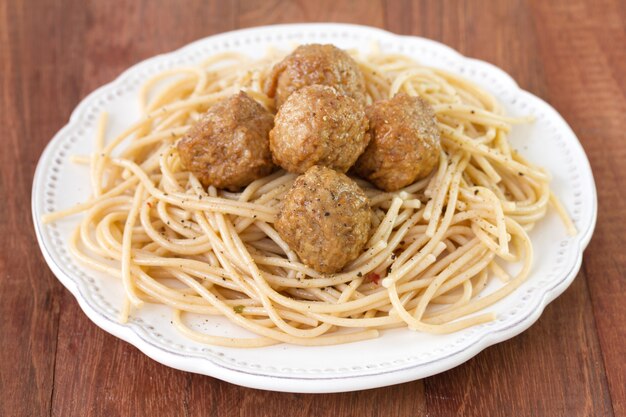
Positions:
(435, 244)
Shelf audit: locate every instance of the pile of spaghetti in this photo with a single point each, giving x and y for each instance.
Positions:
(435, 246)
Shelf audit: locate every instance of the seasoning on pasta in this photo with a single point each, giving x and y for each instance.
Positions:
(442, 232)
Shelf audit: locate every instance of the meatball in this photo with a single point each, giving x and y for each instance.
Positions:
(318, 126)
(325, 219)
(229, 147)
(404, 144)
(316, 64)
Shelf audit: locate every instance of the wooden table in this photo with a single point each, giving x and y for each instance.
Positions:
(54, 361)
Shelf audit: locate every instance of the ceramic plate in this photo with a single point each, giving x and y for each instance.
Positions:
(398, 355)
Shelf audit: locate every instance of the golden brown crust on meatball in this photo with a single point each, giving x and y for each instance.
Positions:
(318, 126)
(325, 219)
(316, 64)
(404, 145)
(228, 147)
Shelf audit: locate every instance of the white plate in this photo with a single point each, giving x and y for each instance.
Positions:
(398, 355)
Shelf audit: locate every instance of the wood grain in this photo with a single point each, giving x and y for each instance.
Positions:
(54, 361)
(35, 95)
(592, 96)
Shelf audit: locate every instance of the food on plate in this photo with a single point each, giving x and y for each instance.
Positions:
(325, 218)
(436, 236)
(228, 147)
(318, 125)
(404, 145)
(316, 64)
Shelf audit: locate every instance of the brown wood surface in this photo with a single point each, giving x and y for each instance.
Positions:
(54, 361)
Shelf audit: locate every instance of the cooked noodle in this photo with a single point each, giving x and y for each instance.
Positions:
(436, 244)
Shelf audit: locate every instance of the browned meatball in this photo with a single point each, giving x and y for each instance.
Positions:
(316, 64)
(325, 219)
(228, 147)
(318, 126)
(405, 142)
